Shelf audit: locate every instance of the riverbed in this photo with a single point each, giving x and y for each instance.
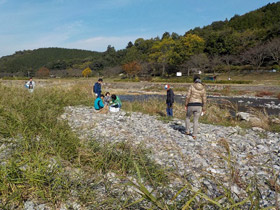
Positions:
(243, 104)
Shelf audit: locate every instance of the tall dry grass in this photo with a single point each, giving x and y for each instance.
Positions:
(49, 164)
(43, 152)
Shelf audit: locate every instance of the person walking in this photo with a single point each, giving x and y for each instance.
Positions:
(195, 104)
(97, 88)
(30, 85)
(169, 100)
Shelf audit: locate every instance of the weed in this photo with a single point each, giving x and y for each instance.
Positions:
(46, 152)
(263, 93)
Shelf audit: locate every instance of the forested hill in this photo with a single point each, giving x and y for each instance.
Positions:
(240, 32)
(227, 44)
(53, 58)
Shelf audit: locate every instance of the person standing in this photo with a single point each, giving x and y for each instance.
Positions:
(195, 103)
(30, 85)
(169, 100)
(97, 88)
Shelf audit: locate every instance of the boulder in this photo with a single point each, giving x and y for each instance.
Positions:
(243, 116)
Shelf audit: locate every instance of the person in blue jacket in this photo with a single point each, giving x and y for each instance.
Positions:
(98, 103)
(97, 87)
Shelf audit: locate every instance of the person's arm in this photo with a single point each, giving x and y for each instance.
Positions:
(119, 101)
(94, 88)
(100, 104)
(94, 92)
(188, 96)
(204, 101)
(172, 97)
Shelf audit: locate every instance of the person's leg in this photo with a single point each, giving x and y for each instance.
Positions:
(171, 112)
(168, 109)
(104, 110)
(188, 119)
(196, 114)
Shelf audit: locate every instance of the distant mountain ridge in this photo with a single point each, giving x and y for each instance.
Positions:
(229, 37)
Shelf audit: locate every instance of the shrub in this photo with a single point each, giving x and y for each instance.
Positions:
(278, 96)
(263, 93)
(86, 72)
(43, 72)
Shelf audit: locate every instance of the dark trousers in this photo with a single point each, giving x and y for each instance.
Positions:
(169, 110)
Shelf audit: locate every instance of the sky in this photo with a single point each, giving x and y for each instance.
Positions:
(95, 24)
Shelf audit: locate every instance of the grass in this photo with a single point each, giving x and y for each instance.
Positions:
(49, 164)
(216, 114)
(184, 79)
(44, 148)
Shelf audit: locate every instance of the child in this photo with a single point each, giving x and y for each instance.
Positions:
(107, 99)
(99, 105)
(115, 104)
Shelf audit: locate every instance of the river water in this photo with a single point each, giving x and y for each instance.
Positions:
(242, 104)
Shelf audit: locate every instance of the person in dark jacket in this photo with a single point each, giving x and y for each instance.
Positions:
(97, 88)
(169, 100)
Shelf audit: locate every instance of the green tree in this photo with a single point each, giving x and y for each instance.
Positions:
(189, 45)
(163, 52)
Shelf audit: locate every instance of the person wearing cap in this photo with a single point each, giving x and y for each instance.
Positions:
(169, 100)
(97, 88)
(195, 103)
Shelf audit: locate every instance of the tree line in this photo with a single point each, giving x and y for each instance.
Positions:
(250, 41)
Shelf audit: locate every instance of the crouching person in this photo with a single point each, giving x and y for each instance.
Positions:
(116, 103)
(99, 105)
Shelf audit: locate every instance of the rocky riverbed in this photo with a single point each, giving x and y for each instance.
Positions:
(221, 157)
(230, 156)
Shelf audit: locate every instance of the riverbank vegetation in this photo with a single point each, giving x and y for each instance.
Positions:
(216, 114)
(44, 161)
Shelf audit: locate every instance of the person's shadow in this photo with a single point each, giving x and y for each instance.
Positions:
(179, 128)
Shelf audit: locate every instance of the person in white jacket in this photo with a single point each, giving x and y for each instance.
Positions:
(30, 85)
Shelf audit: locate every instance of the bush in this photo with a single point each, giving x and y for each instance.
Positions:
(277, 67)
(278, 96)
(263, 93)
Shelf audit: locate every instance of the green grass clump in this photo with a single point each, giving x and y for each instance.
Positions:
(37, 137)
(44, 151)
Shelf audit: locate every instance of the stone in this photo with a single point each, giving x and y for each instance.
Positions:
(170, 148)
(258, 129)
(243, 116)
